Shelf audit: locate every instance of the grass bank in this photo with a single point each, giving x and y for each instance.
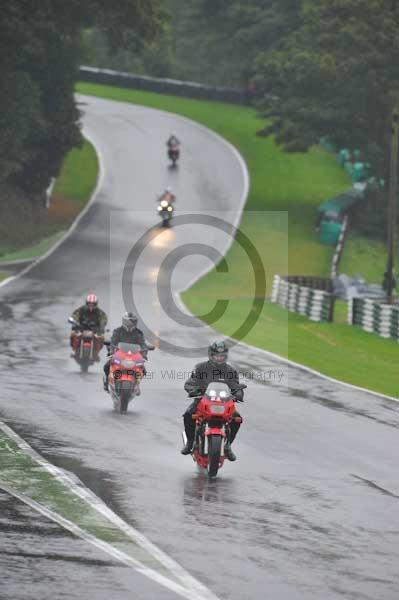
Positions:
(71, 192)
(293, 184)
(25, 472)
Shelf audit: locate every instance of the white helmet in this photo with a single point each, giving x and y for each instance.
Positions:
(129, 321)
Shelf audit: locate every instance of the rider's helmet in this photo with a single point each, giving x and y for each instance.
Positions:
(129, 321)
(168, 190)
(91, 302)
(218, 353)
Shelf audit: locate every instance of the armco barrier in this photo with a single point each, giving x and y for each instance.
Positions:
(374, 317)
(174, 87)
(298, 295)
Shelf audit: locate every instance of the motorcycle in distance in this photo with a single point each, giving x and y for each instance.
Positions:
(86, 345)
(213, 415)
(125, 373)
(173, 154)
(165, 210)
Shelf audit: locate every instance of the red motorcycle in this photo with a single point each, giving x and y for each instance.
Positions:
(214, 413)
(86, 345)
(174, 154)
(126, 371)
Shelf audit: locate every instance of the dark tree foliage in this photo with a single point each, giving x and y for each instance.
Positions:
(39, 58)
(337, 74)
(218, 41)
(211, 41)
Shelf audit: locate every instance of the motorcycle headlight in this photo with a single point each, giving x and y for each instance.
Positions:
(164, 203)
(128, 364)
(217, 409)
(159, 207)
(170, 208)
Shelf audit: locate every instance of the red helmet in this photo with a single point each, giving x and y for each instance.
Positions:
(91, 301)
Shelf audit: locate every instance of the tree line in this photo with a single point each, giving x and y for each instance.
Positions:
(328, 68)
(40, 52)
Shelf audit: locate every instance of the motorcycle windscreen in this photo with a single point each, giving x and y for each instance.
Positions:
(133, 348)
(218, 391)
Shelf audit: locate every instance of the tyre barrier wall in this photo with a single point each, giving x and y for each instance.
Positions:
(311, 301)
(374, 317)
(174, 87)
(316, 283)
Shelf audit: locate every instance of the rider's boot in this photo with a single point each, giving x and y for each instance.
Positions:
(228, 452)
(188, 447)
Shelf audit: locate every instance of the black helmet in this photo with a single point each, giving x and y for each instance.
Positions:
(218, 353)
(129, 321)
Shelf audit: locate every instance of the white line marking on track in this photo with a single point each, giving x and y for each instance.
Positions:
(80, 216)
(193, 589)
(291, 363)
(267, 353)
(246, 178)
(104, 546)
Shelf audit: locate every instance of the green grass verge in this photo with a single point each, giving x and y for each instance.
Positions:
(71, 192)
(364, 257)
(78, 176)
(34, 251)
(339, 351)
(295, 184)
(25, 475)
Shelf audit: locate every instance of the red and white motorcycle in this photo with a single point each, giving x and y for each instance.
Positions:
(213, 416)
(127, 369)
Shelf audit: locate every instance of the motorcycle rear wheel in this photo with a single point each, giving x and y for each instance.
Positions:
(214, 451)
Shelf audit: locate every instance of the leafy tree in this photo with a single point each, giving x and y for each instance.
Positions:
(223, 38)
(336, 74)
(211, 41)
(39, 58)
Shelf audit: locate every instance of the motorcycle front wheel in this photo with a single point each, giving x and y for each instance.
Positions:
(214, 451)
(84, 364)
(124, 400)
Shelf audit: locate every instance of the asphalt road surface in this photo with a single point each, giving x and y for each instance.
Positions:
(309, 510)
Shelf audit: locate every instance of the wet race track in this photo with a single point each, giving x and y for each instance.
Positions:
(310, 508)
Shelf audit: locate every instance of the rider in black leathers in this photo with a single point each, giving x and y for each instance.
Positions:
(214, 369)
(129, 334)
(172, 141)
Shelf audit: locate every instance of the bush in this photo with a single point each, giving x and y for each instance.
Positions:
(22, 221)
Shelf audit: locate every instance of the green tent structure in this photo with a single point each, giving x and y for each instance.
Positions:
(331, 213)
(336, 208)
